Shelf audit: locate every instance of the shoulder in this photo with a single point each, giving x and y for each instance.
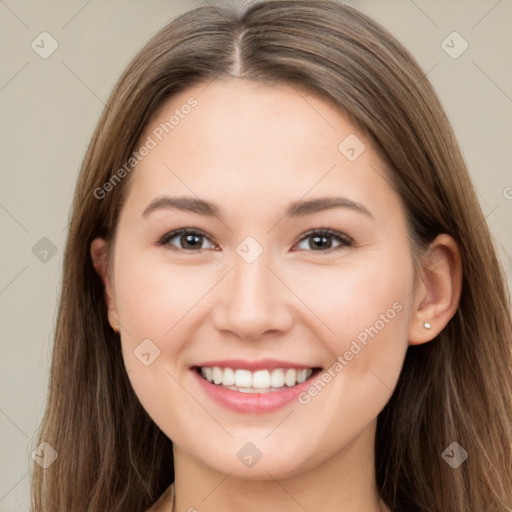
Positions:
(163, 504)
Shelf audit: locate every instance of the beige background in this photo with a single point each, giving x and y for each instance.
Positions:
(49, 108)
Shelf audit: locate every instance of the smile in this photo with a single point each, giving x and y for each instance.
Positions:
(253, 387)
(260, 381)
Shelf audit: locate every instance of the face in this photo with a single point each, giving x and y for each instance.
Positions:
(257, 281)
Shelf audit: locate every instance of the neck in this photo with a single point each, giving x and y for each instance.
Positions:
(342, 481)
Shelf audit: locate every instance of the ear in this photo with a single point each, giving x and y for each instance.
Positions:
(99, 257)
(438, 294)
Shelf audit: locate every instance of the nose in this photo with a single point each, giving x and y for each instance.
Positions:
(254, 302)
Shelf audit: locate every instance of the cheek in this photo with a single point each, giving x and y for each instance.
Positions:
(158, 305)
(154, 301)
(366, 309)
(152, 298)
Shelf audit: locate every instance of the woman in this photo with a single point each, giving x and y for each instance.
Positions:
(277, 261)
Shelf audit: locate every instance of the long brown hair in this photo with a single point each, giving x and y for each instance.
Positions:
(457, 388)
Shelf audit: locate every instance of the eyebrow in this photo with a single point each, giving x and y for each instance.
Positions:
(299, 208)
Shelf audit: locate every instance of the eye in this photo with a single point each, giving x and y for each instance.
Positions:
(321, 240)
(188, 240)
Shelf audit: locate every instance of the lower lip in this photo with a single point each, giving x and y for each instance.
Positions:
(253, 402)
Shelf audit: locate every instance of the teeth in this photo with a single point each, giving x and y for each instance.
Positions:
(302, 375)
(277, 379)
(217, 375)
(260, 381)
(243, 378)
(228, 378)
(290, 377)
(207, 373)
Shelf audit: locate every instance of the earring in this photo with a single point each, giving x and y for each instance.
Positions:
(426, 325)
(116, 329)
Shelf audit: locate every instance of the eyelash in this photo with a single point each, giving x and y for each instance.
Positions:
(345, 240)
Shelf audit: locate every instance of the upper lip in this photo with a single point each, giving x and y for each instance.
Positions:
(260, 364)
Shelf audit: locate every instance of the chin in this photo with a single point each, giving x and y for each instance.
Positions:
(250, 463)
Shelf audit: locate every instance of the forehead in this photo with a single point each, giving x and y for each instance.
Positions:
(249, 110)
(259, 140)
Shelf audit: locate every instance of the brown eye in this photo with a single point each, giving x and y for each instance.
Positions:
(322, 241)
(187, 240)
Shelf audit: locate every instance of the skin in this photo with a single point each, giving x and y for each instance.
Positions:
(252, 149)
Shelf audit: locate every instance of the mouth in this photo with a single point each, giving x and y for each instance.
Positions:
(261, 381)
(253, 387)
